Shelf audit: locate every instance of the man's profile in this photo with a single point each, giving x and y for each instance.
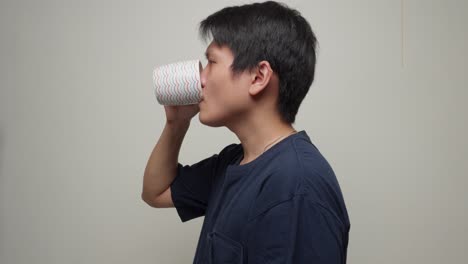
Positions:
(273, 197)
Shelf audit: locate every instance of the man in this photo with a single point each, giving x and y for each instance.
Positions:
(273, 198)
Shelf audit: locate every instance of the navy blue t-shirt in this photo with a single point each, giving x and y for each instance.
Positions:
(286, 206)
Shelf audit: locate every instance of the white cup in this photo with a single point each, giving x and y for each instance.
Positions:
(178, 83)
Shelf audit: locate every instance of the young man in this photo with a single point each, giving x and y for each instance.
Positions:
(273, 198)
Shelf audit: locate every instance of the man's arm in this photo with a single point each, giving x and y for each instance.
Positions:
(161, 168)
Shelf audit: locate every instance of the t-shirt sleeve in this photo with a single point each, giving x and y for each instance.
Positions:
(297, 231)
(192, 186)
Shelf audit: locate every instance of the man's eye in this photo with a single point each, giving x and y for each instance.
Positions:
(210, 61)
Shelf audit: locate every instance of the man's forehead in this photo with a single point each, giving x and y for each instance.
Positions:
(218, 51)
(210, 50)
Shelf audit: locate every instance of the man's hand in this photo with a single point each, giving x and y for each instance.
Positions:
(181, 113)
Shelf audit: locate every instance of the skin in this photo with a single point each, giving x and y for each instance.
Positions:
(245, 105)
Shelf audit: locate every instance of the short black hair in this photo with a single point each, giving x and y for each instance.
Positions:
(273, 32)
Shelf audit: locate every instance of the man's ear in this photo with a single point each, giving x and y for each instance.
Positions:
(261, 76)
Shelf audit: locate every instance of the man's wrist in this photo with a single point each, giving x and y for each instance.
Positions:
(178, 124)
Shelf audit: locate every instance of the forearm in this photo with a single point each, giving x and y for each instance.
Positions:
(161, 168)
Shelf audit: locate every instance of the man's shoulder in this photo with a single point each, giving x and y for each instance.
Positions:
(231, 148)
(299, 169)
(277, 180)
(230, 151)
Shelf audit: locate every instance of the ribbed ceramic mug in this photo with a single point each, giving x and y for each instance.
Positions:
(178, 83)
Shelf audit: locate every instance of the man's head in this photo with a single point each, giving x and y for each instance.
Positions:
(261, 55)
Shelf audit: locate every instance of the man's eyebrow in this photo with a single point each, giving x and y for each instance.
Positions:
(207, 54)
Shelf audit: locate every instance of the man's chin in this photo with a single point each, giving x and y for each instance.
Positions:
(207, 122)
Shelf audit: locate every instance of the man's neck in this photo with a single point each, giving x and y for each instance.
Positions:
(256, 137)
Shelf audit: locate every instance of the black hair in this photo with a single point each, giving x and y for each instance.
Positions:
(273, 32)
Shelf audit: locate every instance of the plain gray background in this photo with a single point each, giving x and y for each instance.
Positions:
(79, 120)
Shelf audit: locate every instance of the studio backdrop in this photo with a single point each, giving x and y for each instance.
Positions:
(79, 118)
